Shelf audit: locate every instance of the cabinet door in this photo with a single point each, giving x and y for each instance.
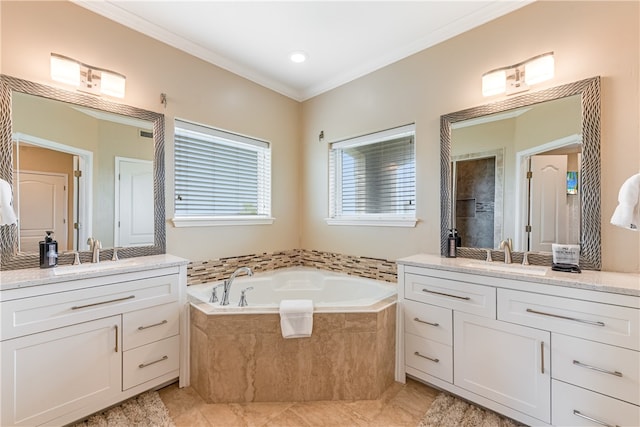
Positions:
(50, 374)
(503, 362)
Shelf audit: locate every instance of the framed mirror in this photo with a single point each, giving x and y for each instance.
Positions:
(112, 154)
(511, 168)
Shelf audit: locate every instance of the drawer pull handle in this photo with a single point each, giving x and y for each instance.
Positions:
(417, 353)
(590, 322)
(602, 423)
(116, 338)
(144, 365)
(542, 356)
(142, 328)
(446, 295)
(595, 368)
(78, 307)
(417, 319)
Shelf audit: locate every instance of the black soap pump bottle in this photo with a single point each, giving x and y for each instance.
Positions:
(451, 245)
(458, 238)
(48, 251)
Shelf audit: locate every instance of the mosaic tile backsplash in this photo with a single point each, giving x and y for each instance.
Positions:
(219, 269)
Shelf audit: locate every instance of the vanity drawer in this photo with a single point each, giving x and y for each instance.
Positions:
(428, 356)
(428, 321)
(151, 324)
(591, 320)
(460, 296)
(575, 406)
(44, 312)
(599, 367)
(150, 361)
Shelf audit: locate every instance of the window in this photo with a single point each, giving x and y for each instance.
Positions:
(372, 179)
(220, 178)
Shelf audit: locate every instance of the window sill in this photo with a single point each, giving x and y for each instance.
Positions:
(220, 221)
(373, 222)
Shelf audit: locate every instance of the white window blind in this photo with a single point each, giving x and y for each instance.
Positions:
(220, 174)
(373, 176)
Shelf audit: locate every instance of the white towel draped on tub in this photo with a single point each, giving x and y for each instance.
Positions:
(627, 214)
(296, 318)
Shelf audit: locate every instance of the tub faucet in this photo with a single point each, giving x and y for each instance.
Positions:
(227, 284)
(506, 246)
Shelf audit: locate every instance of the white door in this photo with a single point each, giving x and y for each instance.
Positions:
(507, 363)
(42, 206)
(548, 201)
(134, 203)
(50, 374)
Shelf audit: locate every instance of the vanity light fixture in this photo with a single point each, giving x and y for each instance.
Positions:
(519, 77)
(87, 78)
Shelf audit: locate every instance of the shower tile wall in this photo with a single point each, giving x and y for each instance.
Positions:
(475, 202)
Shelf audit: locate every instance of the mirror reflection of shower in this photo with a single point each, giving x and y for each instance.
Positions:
(478, 198)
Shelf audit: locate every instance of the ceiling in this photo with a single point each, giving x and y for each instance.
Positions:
(343, 40)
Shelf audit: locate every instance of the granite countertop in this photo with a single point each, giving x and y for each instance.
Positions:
(602, 281)
(15, 279)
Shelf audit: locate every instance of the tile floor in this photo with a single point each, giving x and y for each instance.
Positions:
(401, 405)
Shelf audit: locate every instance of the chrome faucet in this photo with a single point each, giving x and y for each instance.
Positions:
(506, 246)
(227, 284)
(94, 247)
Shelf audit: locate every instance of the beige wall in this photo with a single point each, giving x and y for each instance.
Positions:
(196, 91)
(588, 39)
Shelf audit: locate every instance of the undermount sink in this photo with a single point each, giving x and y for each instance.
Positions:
(93, 267)
(536, 270)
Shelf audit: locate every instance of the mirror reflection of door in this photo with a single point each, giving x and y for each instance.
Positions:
(134, 202)
(553, 209)
(475, 201)
(42, 203)
(47, 204)
(43, 190)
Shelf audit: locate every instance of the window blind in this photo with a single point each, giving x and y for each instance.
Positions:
(374, 175)
(220, 173)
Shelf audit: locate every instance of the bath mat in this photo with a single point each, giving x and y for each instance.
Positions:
(145, 410)
(447, 410)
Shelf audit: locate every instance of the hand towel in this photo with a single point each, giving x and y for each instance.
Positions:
(626, 214)
(296, 318)
(7, 214)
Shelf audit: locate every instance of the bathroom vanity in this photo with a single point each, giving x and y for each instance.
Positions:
(78, 339)
(541, 347)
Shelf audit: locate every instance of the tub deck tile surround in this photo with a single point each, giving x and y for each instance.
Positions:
(243, 358)
(219, 269)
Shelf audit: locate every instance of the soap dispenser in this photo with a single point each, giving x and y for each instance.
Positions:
(48, 251)
(451, 244)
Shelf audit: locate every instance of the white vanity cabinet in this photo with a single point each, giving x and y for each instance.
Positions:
(534, 350)
(83, 343)
(489, 358)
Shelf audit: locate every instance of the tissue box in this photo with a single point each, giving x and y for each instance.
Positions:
(565, 254)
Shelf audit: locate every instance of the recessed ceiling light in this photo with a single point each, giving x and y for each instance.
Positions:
(298, 57)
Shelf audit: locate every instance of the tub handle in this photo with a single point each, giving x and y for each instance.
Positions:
(243, 298)
(214, 293)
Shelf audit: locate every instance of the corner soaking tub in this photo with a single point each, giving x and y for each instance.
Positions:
(329, 291)
(238, 354)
